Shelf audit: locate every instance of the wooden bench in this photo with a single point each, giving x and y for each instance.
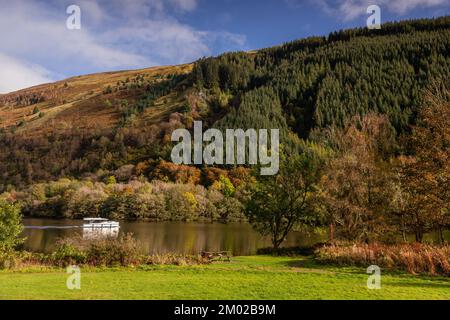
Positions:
(219, 254)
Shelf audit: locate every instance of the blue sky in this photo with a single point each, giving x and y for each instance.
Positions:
(37, 47)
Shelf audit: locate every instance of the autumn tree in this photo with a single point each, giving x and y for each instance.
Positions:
(356, 183)
(168, 171)
(424, 175)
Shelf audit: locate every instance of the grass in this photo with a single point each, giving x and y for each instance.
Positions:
(256, 277)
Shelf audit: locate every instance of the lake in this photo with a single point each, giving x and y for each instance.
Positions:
(177, 237)
(165, 237)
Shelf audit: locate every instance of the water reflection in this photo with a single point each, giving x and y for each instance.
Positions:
(100, 233)
(178, 237)
(165, 237)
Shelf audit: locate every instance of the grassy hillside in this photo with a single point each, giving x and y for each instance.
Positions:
(83, 102)
(104, 121)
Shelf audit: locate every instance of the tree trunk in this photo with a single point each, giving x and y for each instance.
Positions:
(403, 229)
(331, 232)
(276, 244)
(419, 236)
(441, 235)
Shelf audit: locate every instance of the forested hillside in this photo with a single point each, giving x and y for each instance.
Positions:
(324, 81)
(94, 128)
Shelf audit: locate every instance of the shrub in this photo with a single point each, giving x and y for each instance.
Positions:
(10, 226)
(123, 251)
(7, 259)
(107, 90)
(413, 258)
(14, 259)
(67, 254)
(25, 258)
(107, 251)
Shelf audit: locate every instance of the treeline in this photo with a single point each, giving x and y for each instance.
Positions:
(156, 201)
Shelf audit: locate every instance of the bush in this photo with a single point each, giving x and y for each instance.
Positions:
(123, 251)
(10, 226)
(14, 259)
(413, 258)
(107, 90)
(7, 259)
(107, 251)
(67, 254)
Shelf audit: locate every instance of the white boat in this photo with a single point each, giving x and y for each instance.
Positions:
(95, 228)
(99, 223)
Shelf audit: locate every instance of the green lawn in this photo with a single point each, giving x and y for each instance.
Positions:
(260, 277)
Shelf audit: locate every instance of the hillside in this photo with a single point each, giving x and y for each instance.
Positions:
(80, 125)
(83, 102)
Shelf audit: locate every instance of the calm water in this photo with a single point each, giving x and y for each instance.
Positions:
(165, 237)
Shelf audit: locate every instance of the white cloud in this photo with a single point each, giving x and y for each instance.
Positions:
(115, 34)
(167, 40)
(403, 6)
(92, 11)
(347, 10)
(30, 32)
(17, 74)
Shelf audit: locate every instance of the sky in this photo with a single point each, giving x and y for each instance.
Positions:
(37, 47)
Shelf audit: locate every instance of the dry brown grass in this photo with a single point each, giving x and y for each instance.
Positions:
(414, 258)
(79, 102)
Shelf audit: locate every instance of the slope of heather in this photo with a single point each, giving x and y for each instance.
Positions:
(83, 102)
